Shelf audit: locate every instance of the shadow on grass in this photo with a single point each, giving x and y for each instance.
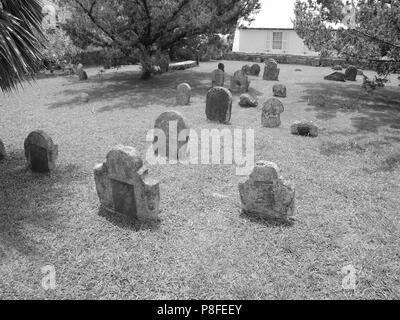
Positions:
(382, 108)
(125, 90)
(128, 223)
(268, 222)
(28, 202)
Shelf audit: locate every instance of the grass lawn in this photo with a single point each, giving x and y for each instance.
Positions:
(347, 194)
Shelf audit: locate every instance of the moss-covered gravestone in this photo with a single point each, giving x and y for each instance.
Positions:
(271, 70)
(183, 94)
(40, 151)
(219, 105)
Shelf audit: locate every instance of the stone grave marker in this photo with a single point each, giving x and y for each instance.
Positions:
(183, 94)
(240, 82)
(124, 186)
(40, 151)
(219, 105)
(255, 70)
(271, 111)
(304, 128)
(336, 76)
(247, 101)
(351, 73)
(279, 90)
(271, 71)
(266, 194)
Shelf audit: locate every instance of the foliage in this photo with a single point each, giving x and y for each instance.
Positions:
(20, 48)
(150, 28)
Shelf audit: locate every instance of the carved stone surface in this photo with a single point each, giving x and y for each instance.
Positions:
(271, 71)
(272, 109)
(219, 105)
(240, 82)
(124, 187)
(266, 193)
(40, 151)
(183, 94)
(279, 90)
(304, 128)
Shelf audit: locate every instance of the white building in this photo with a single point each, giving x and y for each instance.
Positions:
(272, 32)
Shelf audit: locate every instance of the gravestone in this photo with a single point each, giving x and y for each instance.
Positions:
(266, 194)
(255, 70)
(84, 97)
(40, 151)
(183, 94)
(279, 90)
(240, 82)
(218, 78)
(247, 101)
(336, 76)
(219, 105)
(271, 71)
(246, 69)
(304, 128)
(351, 73)
(171, 123)
(271, 113)
(82, 75)
(2, 150)
(124, 186)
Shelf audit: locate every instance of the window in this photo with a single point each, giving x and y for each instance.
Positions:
(277, 41)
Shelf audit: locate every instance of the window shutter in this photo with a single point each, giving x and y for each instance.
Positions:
(284, 41)
(269, 40)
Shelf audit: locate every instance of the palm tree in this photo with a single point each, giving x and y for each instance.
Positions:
(20, 43)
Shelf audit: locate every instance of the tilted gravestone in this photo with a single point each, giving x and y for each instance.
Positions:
(219, 105)
(40, 151)
(124, 186)
(266, 194)
(271, 70)
(271, 113)
(255, 70)
(304, 128)
(336, 76)
(183, 94)
(171, 123)
(2, 150)
(240, 82)
(279, 90)
(351, 73)
(247, 101)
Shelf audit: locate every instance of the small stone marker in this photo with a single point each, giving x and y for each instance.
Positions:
(219, 105)
(279, 90)
(266, 194)
(218, 78)
(183, 94)
(247, 101)
(124, 187)
(246, 69)
(351, 73)
(255, 70)
(271, 71)
(304, 128)
(82, 75)
(40, 151)
(271, 113)
(172, 123)
(84, 97)
(2, 150)
(336, 76)
(240, 82)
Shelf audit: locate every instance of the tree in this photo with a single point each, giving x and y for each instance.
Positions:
(20, 48)
(371, 30)
(147, 29)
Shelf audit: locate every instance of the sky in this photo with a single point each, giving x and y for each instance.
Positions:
(275, 14)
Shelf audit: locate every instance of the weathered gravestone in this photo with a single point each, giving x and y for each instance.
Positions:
(336, 76)
(304, 128)
(255, 70)
(351, 73)
(271, 71)
(183, 94)
(2, 150)
(124, 186)
(279, 90)
(217, 78)
(40, 151)
(266, 194)
(219, 105)
(171, 123)
(240, 82)
(271, 113)
(247, 101)
(246, 69)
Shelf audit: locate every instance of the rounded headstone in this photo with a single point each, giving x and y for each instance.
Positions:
(183, 94)
(246, 69)
(279, 90)
(351, 73)
(2, 150)
(219, 104)
(304, 128)
(255, 70)
(270, 117)
(271, 71)
(40, 151)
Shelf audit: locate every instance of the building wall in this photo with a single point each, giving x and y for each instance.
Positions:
(260, 41)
